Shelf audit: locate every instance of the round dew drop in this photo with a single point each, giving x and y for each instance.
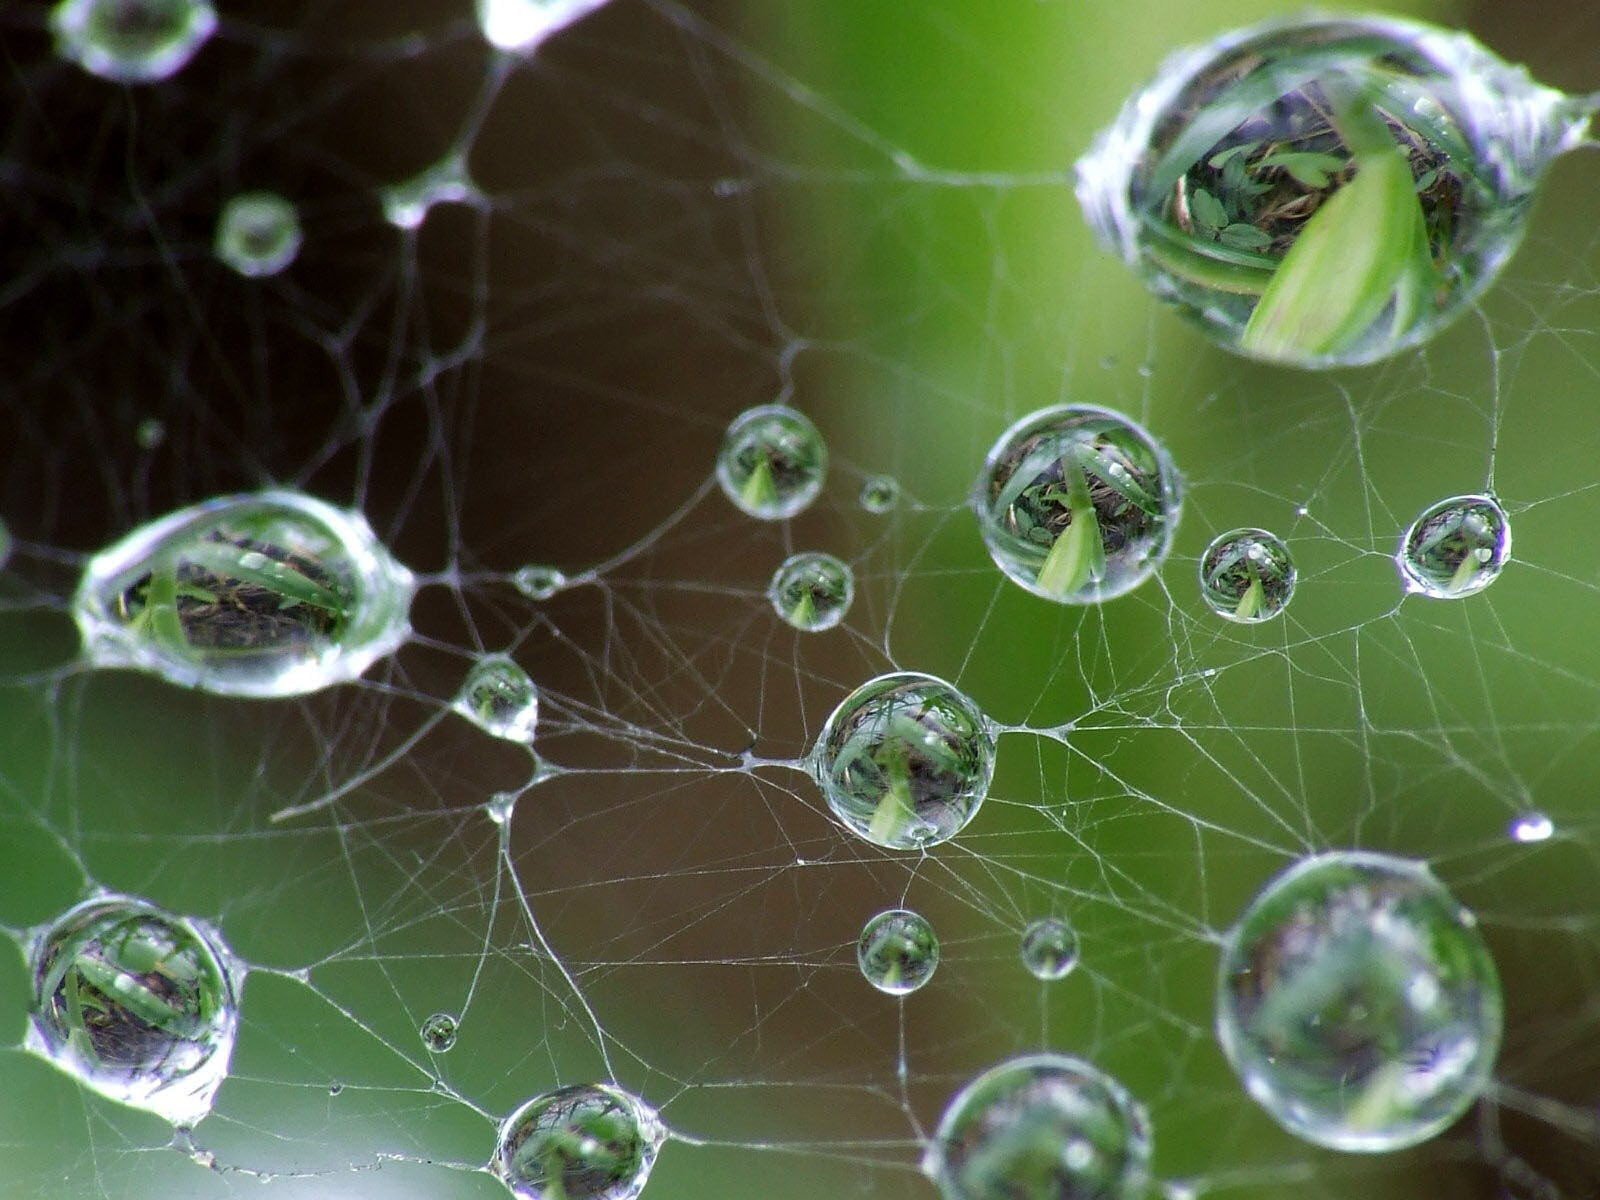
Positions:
(439, 1032)
(1325, 191)
(898, 952)
(258, 234)
(1044, 1126)
(1455, 548)
(593, 1142)
(1358, 1003)
(538, 582)
(498, 697)
(132, 41)
(265, 594)
(772, 463)
(137, 1004)
(1050, 949)
(1247, 576)
(879, 494)
(521, 25)
(812, 591)
(905, 760)
(1077, 504)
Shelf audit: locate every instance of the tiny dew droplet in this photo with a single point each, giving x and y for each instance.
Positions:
(523, 25)
(905, 760)
(591, 1142)
(150, 433)
(258, 234)
(1247, 576)
(136, 1003)
(812, 591)
(264, 594)
(1532, 827)
(335, 1088)
(538, 582)
(1077, 504)
(772, 463)
(499, 698)
(1050, 948)
(880, 493)
(406, 204)
(1455, 548)
(897, 952)
(439, 1032)
(132, 41)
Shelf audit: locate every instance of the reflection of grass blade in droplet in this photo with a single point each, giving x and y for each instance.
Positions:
(896, 809)
(1466, 572)
(1078, 556)
(1254, 596)
(760, 492)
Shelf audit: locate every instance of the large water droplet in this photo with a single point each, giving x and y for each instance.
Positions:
(264, 594)
(499, 698)
(1455, 548)
(258, 234)
(773, 462)
(1247, 576)
(905, 760)
(521, 25)
(1358, 1003)
(898, 951)
(137, 1004)
(1045, 1127)
(1325, 191)
(132, 41)
(812, 591)
(593, 1142)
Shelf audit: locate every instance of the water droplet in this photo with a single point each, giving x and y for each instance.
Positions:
(898, 952)
(812, 591)
(439, 1032)
(335, 1088)
(538, 582)
(500, 807)
(265, 594)
(1532, 827)
(1043, 1125)
(1325, 191)
(132, 41)
(1247, 576)
(499, 698)
(1455, 548)
(905, 760)
(594, 1142)
(1050, 948)
(772, 462)
(880, 493)
(407, 204)
(150, 433)
(521, 25)
(258, 234)
(137, 1004)
(1077, 504)
(1358, 1003)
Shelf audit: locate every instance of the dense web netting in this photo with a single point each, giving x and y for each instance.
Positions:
(532, 292)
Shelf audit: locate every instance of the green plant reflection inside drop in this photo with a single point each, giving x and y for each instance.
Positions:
(592, 1142)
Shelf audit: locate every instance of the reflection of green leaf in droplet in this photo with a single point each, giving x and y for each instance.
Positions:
(1250, 603)
(1466, 571)
(896, 809)
(1078, 556)
(760, 492)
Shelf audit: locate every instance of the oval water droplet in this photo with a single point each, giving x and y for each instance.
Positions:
(1247, 576)
(897, 952)
(592, 1142)
(258, 234)
(439, 1032)
(132, 41)
(1050, 949)
(772, 463)
(1455, 548)
(812, 591)
(498, 697)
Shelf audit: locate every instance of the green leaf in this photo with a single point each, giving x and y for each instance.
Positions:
(1207, 210)
(1246, 237)
(228, 561)
(1308, 167)
(1212, 265)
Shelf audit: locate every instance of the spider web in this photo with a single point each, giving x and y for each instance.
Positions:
(673, 212)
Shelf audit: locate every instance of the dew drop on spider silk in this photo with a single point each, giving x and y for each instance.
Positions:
(1050, 948)
(905, 760)
(1247, 576)
(406, 204)
(439, 1032)
(258, 234)
(880, 493)
(137, 1004)
(593, 1142)
(1455, 548)
(132, 41)
(1326, 191)
(773, 462)
(263, 594)
(1358, 1003)
(1077, 504)
(498, 697)
(539, 582)
(897, 952)
(1043, 1125)
(521, 25)
(812, 591)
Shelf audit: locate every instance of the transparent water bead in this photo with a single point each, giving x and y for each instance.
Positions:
(137, 1004)
(898, 952)
(812, 591)
(1358, 1003)
(263, 594)
(1077, 504)
(1050, 949)
(439, 1032)
(521, 25)
(258, 234)
(1041, 1127)
(593, 1142)
(498, 697)
(132, 41)
(538, 582)
(1326, 191)
(772, 463)
(1455, 548)
(880, 493)
(406, 204)
(1247, 575)
(905, 760)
